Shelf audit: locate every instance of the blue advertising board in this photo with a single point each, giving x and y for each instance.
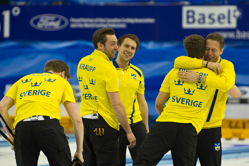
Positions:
(156, 23)
(32, 35)
(155, 59)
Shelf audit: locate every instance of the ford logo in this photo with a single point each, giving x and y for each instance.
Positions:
(243, 92)
(49, 22)
(76, 90)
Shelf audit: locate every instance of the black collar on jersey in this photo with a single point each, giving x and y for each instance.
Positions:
(220, 60)
(115, 63)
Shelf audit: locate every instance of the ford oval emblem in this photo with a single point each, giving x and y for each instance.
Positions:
(243, 92)
(76, 90)
(49, 22)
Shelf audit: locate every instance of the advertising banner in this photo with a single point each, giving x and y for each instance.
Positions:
(149, 23)
(32, 35)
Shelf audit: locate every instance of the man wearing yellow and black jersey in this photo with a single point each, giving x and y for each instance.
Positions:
(131, 91)
(209, 148)
(182, 118)
(101, 108)
(187, 102)
(37, 97)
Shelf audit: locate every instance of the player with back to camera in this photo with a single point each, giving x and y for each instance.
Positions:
(209, 149)
(182, 118)
(37, 97)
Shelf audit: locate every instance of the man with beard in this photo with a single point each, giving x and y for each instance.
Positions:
(101, 108)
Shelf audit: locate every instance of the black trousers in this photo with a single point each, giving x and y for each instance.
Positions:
(209, 148)
(180, 138)
(100, 146)
(139, 132)
(48, 136)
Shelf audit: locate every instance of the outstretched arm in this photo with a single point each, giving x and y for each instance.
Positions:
(186, 62)
(223, 82)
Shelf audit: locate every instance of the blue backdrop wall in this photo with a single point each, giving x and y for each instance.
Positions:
(155, 59)
(32, 35)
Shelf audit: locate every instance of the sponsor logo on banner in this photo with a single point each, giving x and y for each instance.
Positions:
(209, 17)
(49, 22)
(76, 90)
(244, 90)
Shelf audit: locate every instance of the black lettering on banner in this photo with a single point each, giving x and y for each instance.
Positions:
(236, 134)
(238, 124)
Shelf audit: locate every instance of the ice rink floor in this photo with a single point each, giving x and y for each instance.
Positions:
(235, 153)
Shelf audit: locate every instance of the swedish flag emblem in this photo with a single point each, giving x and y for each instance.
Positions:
(134, 76)
(217, 146)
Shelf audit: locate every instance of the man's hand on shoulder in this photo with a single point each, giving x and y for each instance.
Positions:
(215, 67)
(189, 75)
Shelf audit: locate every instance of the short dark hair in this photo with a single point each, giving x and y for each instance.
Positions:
(57, 66)
(194, 46)
(132, 37)
(100, 36)
(216, 37)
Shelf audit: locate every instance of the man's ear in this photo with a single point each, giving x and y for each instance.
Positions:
(100, 46)
(62, 74)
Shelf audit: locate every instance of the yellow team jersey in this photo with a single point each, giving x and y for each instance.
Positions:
(131, 82)
(222, 83)
(97, 76)
(188, 102)
(40, 94)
